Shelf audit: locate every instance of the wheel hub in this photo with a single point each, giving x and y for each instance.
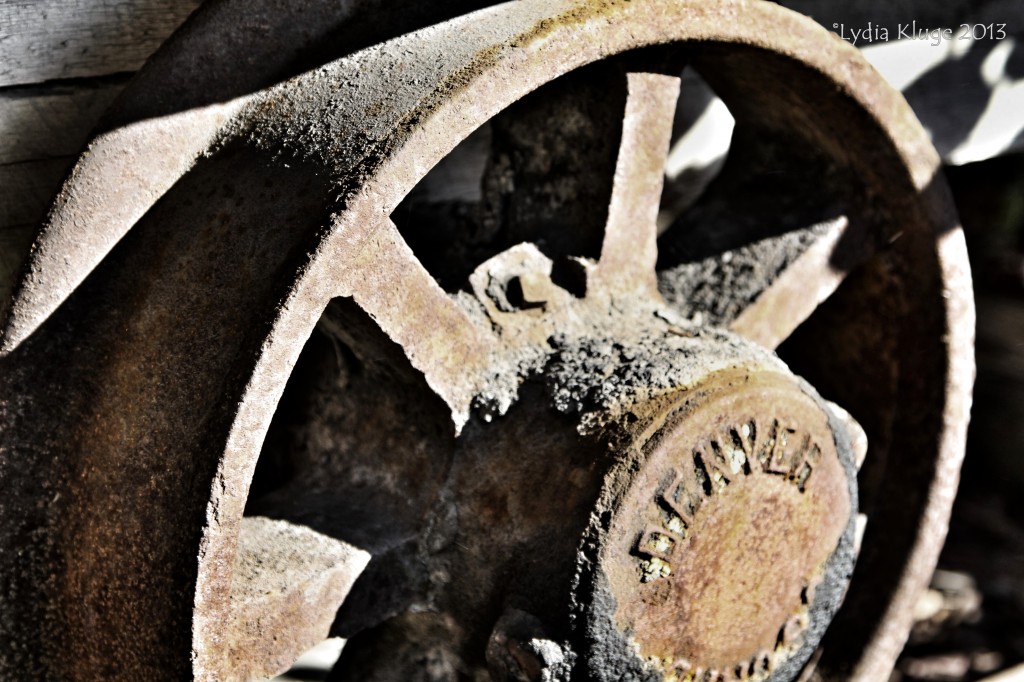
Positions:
(729, 548)
(662, 500)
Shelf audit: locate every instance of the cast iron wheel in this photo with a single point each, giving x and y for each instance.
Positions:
(472, 433)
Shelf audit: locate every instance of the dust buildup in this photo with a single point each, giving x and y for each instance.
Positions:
(715, 290)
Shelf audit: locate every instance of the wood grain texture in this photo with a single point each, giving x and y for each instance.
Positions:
(28, 189)
(44, 125)
(14, 244)
(43, 40)
(46, 121)
(42, 130)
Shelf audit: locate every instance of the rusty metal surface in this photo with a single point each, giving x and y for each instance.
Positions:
(717, 552)
(192, 253)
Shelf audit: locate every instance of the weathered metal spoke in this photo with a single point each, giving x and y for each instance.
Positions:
(797, 291)
(378, 270)
(552, 159)
(629, 250)
(287, 586)
(770, 239)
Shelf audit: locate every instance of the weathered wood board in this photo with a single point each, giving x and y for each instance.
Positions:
(42, 130)
(42, 40)
(62, 63)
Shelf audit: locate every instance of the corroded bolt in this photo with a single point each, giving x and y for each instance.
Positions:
(519, 650)
(517, 279)
(527, 291)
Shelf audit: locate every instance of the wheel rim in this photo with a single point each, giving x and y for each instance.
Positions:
(122, 382)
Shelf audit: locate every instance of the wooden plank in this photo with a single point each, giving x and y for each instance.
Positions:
(43, 40)
(14, 244)
(42, 130)
(46, 121)
(27, 188)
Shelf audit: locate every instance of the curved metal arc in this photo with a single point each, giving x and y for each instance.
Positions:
(457, 97)
(958, 368)
(444, 115)
(216, 629)
(496, 46)
(116, 181)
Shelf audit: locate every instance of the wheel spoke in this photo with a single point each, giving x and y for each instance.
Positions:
(855, 432)
(288, 584)
(798, 290)
(777, 204)
(629, 250)
(552, 158)
(381, 274)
